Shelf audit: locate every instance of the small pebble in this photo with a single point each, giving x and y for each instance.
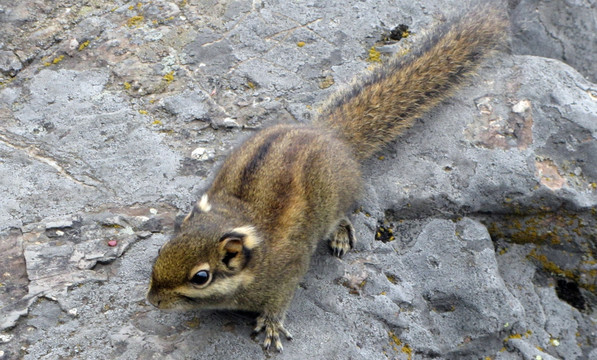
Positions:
(112, 243)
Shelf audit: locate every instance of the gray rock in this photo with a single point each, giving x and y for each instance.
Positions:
(187, 106)
(563, 30)
(10, 64)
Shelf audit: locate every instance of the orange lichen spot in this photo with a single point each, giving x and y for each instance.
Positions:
(83, 45)
(548, 173)
(374, 55)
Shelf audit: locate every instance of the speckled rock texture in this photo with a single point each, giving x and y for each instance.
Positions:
(477, 231)
(563, 30)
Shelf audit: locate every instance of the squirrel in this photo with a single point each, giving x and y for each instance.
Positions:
(248, 241)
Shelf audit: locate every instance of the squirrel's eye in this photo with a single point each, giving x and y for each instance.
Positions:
(200, 278)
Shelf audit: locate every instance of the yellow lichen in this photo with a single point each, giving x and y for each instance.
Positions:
(300, 44)
(326, 82)
(143, 112)
(551, 266)
(126, 85)
(169, 77)
(513, 336)
(394, 338)
(408, 351)
(58, 59)
(83, 45)
(374, 55)
(156, 122)
(193, 323)
(135, 21)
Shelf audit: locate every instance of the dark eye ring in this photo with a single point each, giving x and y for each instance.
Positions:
(201, 277)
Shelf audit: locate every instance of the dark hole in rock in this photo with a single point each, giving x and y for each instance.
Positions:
(570, 293)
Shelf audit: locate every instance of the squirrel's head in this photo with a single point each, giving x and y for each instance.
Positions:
(206, 264)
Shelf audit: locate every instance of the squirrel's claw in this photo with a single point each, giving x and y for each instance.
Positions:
(343, 238)
(272, 327)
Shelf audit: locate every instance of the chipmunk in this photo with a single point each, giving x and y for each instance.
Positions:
(248, 241)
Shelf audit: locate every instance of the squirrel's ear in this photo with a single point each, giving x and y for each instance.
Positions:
(236, 247)
(202, 205)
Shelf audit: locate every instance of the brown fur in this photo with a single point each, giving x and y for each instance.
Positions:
(289, 186)
(378, 108)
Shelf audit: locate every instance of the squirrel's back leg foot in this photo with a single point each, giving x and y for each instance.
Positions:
(342, 239)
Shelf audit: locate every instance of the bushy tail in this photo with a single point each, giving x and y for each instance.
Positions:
(375, 110)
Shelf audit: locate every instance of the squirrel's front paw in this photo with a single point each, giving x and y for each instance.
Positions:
(343, 238)
(273, 326)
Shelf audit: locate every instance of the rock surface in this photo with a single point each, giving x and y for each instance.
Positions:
(476, 233)
(563, 30)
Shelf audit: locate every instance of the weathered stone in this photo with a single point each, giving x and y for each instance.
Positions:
(10, 64)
